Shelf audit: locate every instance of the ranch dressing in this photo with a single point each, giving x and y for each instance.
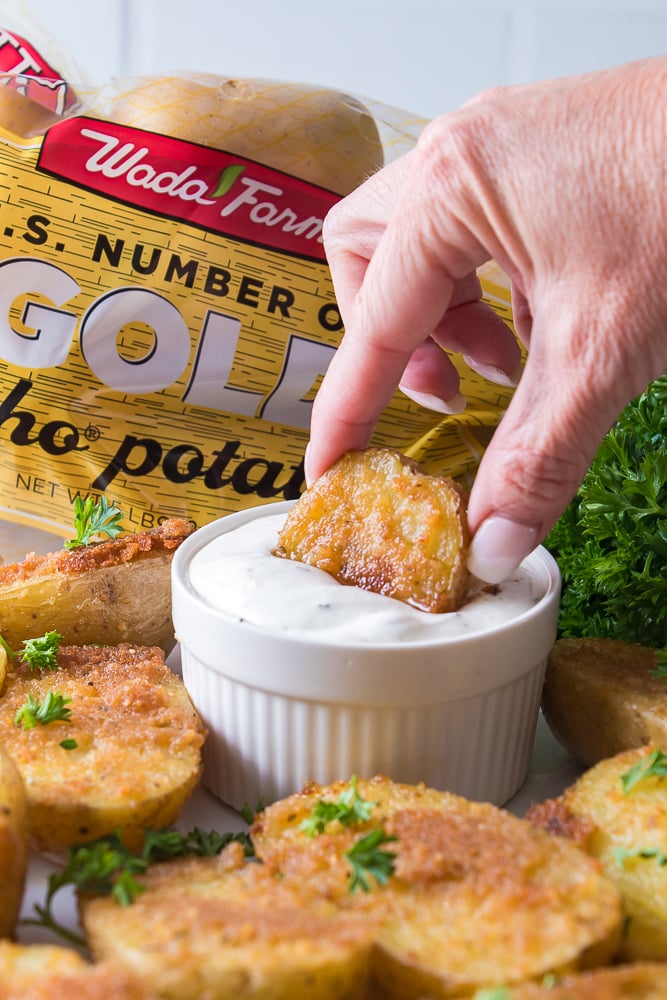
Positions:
(237, 574)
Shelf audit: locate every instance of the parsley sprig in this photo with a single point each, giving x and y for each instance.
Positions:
(653, 766)
(349, 808)
(623, 854)
(41, 653)
(106, 867)
(366, 856)
(611, 542)
(53, 708)
(93, 518)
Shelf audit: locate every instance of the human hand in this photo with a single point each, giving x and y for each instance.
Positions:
(562, 183)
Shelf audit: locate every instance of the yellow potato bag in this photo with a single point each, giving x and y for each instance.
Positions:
(166, 310)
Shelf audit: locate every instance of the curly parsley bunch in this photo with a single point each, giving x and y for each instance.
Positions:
(611, 541)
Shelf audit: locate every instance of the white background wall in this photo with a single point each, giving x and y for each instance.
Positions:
(426, 56)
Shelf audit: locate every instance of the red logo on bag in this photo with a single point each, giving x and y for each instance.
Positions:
(180, 180)
(23, 69)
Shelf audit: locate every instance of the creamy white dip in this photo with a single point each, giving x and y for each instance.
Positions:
(237, 574)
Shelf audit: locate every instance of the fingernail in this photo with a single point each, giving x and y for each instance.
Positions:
(456, 404)
(494, 374)
(498, 546)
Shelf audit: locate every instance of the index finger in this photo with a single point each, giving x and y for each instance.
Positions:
(403, 294)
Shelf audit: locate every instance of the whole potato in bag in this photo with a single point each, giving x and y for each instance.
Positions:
(320, 135)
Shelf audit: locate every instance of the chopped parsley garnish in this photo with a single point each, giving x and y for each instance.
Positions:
(41, 653)
(349, 808)
(106, 867)
(52, 709)
(93, 518)
(623, 854)
(653, 766)
(367, 858)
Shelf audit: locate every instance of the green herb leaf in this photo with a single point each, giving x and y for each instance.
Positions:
(349, 808)
(11, 654)
(93, 518)
(42, 653)
(367, 858)
(623, 854)
(611, 542)
(52, 709)
(68, 744)
(106, 867)
(653, 766)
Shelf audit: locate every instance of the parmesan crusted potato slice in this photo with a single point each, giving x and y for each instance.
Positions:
(138, 745)
(637, 981)
(625, 830)
(322, 136)
(478, 896)
(601, 696)
(105, 592)
(14, 838)
(219, 928)
(377, 521)
(49, 972)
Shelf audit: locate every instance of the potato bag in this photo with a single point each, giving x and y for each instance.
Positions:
(166, 309)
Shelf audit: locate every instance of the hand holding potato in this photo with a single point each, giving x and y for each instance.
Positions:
(556, 181)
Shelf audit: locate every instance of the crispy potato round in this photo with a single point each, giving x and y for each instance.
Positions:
(319, 135)
(377, 521)
(49, 972)
(625, 829)
(107, 592)
(636, 981)
(14, 839)
(601, 697)
(137, 753)
(478, 896)
(219, 928)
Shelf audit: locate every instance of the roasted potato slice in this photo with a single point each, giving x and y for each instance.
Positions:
(49, 972)
(624, 827)
(376, 520)
(636, 981)
(478, 897)
(105, 592)
(137, 752)
(601, 697)
(221, 928)
(322, 136)
(14, 839)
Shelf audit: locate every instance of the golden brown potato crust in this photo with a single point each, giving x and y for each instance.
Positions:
(476, 898)
(377, 521)
(130, 547)
(13, 843)
(600, 697)
(218, 928)
(49, 972)
(107, 592)
(638, 981)
(627, 836)
(138, 752)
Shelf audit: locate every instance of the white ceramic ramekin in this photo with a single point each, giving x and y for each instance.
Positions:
(282, 709)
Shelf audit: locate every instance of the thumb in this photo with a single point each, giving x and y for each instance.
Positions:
(536, 461)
